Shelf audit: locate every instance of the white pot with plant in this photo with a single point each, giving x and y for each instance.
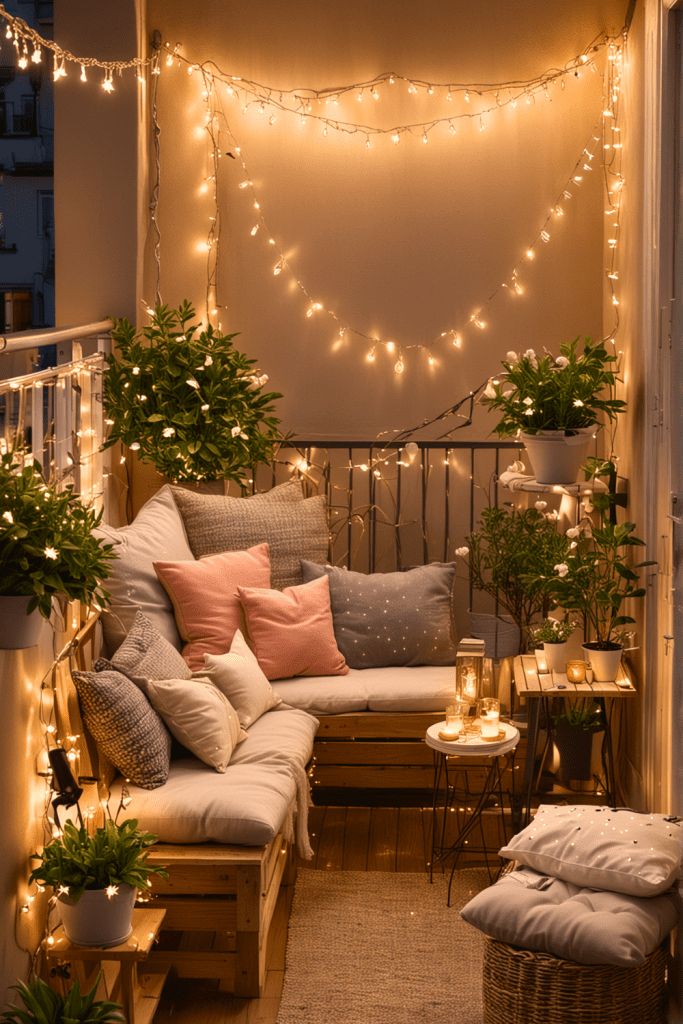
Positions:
(47, 550)
(555, 404)
(553, 635)
(95, 877)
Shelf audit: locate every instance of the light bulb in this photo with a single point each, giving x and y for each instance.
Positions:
(84, 77)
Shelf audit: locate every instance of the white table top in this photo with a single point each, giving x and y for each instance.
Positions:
(472, 746)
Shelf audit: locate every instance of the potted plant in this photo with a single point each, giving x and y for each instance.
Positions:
(186, 400)
(42, 1005)
(553, 635)
(46, 550)
(511, 553)
(96, 877)
(556, 403)
(574, 729)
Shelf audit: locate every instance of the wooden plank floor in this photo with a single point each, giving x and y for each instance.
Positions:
(344, 839)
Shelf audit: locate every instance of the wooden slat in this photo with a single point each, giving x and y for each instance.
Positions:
(362, 752)
(198, 914)
(411, 849)
(374, 776)
(331, 842)
(375, 724)
(356, 836)
(193, 964)
(383, 839)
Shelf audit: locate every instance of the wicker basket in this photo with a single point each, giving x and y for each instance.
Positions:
(521, 987)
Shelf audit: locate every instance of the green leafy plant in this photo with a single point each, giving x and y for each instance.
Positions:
(552, 631)
(182, 396)
(42, 1005)
(581, 715)
(46, 543)
(568, 392)
(511, 553)
(113, 855)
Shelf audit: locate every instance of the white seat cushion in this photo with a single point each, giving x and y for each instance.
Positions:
(424, 688)
(281, 735)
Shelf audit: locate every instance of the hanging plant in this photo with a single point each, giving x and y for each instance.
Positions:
(187, 401)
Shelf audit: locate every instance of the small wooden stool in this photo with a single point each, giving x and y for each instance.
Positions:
(138, 994)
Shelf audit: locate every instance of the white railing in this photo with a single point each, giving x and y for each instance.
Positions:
(58, 414)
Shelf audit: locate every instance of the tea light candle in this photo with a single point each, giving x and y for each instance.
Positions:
(541, 663)
(469, 689)
(489, 715)
(455, 721)
(576, 671)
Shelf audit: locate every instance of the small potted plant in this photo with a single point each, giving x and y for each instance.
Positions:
(553, 635)
(511, 553)
(556, 403)
(42, 1005)
(574, 729)
(187, 401)
(96, 877)
(47, 550)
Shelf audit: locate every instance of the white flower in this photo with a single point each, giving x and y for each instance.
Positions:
(192, 383)
(573, 545)
(8, 516)
(489, 391)
(529, 411)
(135, 446)
(562, 361)
(541, 505)
(578, 404)
(561, 569)
(235, 431)
(205, 407)
(552, 516)
(463, 551)
(516, 467)
(168, 431)
(263, 379)
(511, 357)
(530, 355)
(208, 361)
(528, 401)
(51, 553)
(135, 371)
(573, 531)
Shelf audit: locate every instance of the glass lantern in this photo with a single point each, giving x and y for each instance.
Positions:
(472, 670)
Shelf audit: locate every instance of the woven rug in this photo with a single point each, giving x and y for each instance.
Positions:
(381, 948)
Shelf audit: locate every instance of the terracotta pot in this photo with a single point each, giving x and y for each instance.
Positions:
(97, 919)
(19, 629)
(556, 457)
(604, 660)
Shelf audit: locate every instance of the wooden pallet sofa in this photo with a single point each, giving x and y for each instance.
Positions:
(224, 881)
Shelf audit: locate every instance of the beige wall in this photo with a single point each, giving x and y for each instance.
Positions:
(403, 240)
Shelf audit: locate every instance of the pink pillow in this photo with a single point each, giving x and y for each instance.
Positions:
(291, 630)
(204, 597)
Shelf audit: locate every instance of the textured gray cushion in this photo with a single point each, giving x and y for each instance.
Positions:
(392, 618)
(125, 726)
(539, 912)
(294, 527)
(146, 654)
(156, 534)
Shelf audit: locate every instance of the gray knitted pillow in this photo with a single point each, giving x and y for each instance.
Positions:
(125, 726)
(391, 618)
(146, 654)
(293, 526)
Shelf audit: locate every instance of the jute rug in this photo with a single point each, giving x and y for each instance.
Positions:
(381, 948)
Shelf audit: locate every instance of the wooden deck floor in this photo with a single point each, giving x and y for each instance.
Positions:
(344, 839)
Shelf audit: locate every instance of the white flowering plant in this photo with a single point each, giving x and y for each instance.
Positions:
(187, 401)
(568, 392)
(552, 631)
(47, 547)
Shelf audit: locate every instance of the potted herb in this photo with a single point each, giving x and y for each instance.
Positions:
(553, 635)
(186, 400)
(511, 553)
(574, 729)
(96, 877)
(46, 550)
(42, 1005)
(556, 403)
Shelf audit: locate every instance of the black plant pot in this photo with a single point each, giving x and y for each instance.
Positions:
(575, 746)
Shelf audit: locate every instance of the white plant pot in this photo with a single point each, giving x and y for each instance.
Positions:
(97, 919)
(19, 629)
(556, 458)
(605, 663)
(555, 656)
(500, 634)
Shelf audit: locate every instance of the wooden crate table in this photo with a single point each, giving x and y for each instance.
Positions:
(537, 688)
(137, 993)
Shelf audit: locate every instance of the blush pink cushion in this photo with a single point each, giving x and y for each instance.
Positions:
(291, 631)
(204, 597)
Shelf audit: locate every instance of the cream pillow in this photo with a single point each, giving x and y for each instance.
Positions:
(239, 676)
(601, 848)
(199, 716)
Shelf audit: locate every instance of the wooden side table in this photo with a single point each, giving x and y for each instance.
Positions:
(537, 688)
(138, 994)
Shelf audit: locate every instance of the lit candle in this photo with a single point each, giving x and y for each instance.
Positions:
(541, 663)
(489, 713)
(455, 721)
(576, 671)
(470, 685)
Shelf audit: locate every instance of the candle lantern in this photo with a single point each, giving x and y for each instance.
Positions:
(470, 670)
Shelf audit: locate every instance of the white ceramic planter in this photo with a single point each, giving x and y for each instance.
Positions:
(97, 919)
(17, 628)
(499, 632)
(605, 664)
(556, 458)
(555, 656)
